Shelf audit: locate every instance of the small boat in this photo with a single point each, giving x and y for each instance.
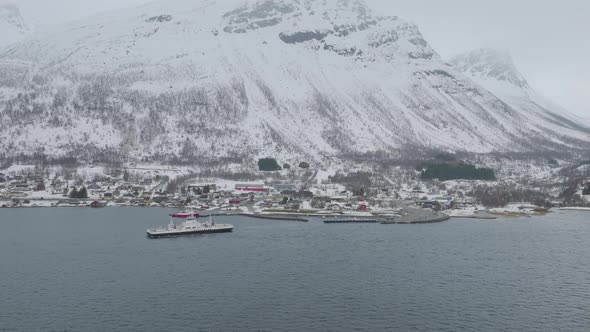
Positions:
(189, 227)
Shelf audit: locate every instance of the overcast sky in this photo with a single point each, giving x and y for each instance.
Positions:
(547, 38)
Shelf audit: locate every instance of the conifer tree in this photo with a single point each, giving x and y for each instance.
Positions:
(83, 193)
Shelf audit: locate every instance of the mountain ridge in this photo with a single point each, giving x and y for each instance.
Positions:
(181, 81)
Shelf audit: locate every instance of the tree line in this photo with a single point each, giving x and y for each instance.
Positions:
(457, 171)
(82, 193)
(271, 165)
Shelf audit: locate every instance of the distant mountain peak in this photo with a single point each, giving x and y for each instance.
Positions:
(11, 15)
(13, 26)
(485, 63)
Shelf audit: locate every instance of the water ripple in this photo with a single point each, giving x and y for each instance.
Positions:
(82, 270)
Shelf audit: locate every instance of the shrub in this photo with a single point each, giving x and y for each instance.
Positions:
(303, 164)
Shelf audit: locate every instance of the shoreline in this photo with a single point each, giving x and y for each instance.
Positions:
(331, 218)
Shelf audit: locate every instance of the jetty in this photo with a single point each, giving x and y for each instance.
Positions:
(274, 217)
(351, 221)
(415, 221)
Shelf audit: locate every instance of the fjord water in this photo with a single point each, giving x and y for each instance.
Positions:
(95, 270)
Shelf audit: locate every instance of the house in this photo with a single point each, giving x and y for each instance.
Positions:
(339, 199)
(336, 207)
(285, 187)
(305, 194)
(202, 187)
(22, 187)
(289, 193)
(36, 178)
(57, 183)
(293, 205)
(320, 202)
(426, 204)
(251, 187)
(97, 204)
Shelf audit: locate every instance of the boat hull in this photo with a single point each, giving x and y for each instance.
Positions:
(156, 235)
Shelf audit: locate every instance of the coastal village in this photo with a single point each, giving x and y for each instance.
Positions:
(282, 194)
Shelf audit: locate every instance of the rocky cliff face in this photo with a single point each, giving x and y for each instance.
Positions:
(183, 80)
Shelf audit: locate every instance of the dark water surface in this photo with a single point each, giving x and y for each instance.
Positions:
(95, 270)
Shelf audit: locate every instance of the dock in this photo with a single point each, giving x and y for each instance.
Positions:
(351, 221)
(275, 217)
(415, 222)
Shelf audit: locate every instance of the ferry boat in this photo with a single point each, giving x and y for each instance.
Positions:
(189, 227)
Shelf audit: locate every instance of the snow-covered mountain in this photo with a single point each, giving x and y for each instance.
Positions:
(496, 71)
(493, 69)
(13, 26)
(289, 78)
